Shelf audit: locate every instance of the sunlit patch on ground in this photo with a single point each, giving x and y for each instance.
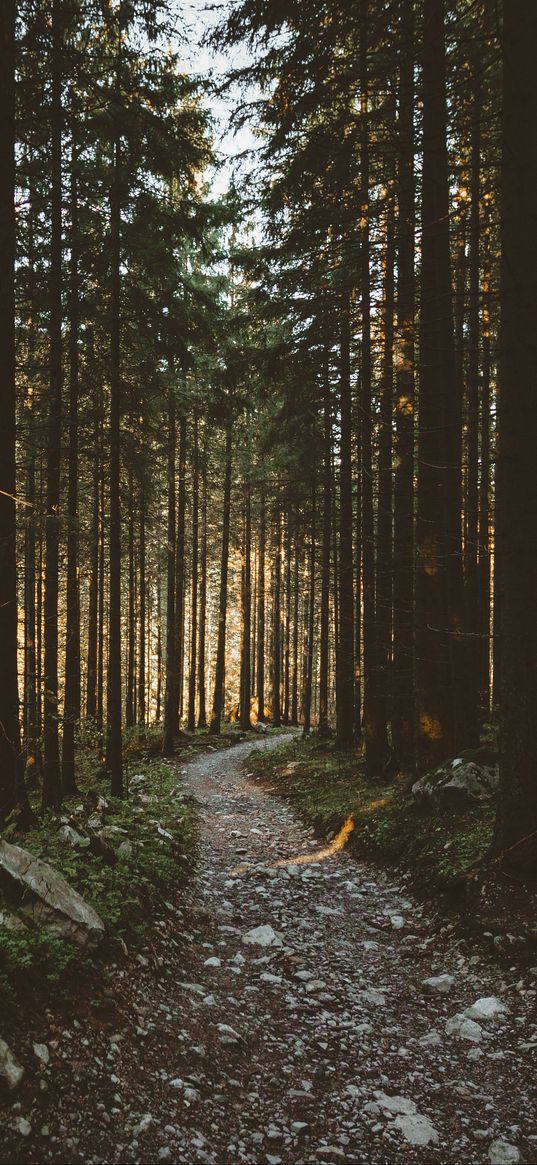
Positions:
(320, 855)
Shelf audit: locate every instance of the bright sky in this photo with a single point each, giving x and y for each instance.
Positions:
(200, 18)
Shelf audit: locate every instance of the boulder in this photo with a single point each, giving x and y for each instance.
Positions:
(457, 784)
(503, 1153)
(45, 897)
(488, 1007)
(10, 1070)
(463, 1028)
(440, 984)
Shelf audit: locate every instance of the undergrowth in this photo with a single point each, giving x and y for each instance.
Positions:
(326, 786)
(156, 820)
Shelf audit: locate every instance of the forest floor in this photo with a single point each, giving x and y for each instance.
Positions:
(313, 1039)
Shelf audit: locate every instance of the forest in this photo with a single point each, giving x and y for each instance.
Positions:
(267, 478)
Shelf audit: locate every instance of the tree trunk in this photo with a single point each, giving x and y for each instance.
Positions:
(202, 707)
(180, 578)
(93, 597)
(51, 768)
(345, 655)
(276, 621)
(261, 611)
(324, 634)
(142, 708)
(437, 600)
(171, 613)
(403, 730)
(384, 564)
(114, 742)
(9, 696)
(245, 720)
(308, 675)
(220, 669)
(71, 713)
(516, 489)
(194, 584)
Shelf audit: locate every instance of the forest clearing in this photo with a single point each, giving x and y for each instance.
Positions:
(268, 574)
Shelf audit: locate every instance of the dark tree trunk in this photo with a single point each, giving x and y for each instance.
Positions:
(287, 633)
(245, 720)
(324, 634)
(71, 714)
(51, 769)
(130, 693)
(100, 638)
(170, 718)
(438, 591)
(310, 624)
(375, 735)
(345, 651)
(473, 645)
(9, 696)
(93, 597)
(403, 730)
(180, 579)
(260, 684)
(516, 490)
(220, 668)
(384, 564)
(276, 621)
(296, 609)
(142, 708)
(194, 584)
(202, 706)
(114, 742)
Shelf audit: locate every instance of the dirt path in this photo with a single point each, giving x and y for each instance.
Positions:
(323, 1045)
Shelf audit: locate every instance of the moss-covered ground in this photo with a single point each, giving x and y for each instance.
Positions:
(155, 819)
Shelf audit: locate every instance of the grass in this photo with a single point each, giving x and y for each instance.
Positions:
(326, 786)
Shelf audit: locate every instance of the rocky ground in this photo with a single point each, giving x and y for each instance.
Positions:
(297, 1012)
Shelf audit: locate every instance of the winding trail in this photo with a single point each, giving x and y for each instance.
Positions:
(323, 1045)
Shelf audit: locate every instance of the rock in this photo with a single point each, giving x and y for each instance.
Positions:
(10, 1069)
(416, 1129)
(371, 995)
(488, 1007)
(457, 784)
(464, 1028)
(441, 984)
(42, 1053)
(11, 921)
(260, 728)
(214, 961)
(262, 936)
(125, 849)
(143, 1125)
(46, 898)
(70, 835)
(22, 1126)
(502, 1153)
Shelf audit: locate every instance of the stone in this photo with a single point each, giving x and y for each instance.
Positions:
(371, 995)
(23, 1126)
(125, 849)
(262, 936)
(488, 1007)
(502, 1153)
(457, 784)
(214, 961)
(464, 1028)
(42, 1053)
(10, 1070)
(416, 1129)
(45, 897)
(70, 835)
(441, 984)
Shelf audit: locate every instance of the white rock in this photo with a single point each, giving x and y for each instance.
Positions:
(22, 1126)
(266, 977)
(488, 1007)
(214, 961)
(416, 1129)
(441, 984)
(464, 1028)
(502, 1153)
(10, 1069)
(396, 1104)
(397, 921)
(42, 1053)
(125, 849)
(262, 936)
(47, 898)
(143, 1125)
